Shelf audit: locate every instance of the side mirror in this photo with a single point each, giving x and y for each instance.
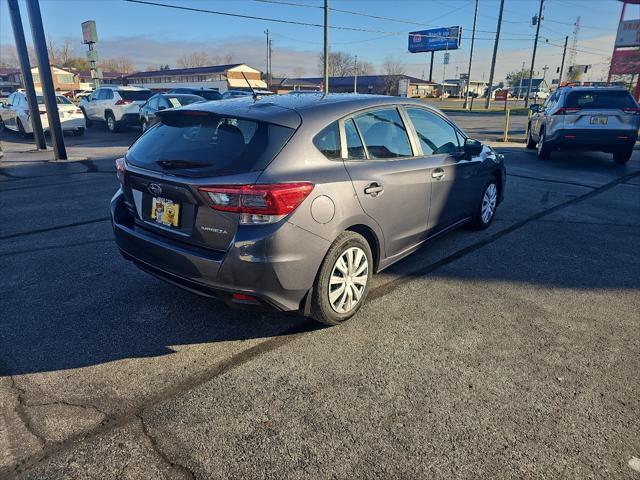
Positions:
(2, 105)
(472, 148)
(162, 107)
(534, 108)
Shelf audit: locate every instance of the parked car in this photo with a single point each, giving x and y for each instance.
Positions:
(293, 202)
(602, 119)
(206, 93)
(15, 114)
(243, 93)
(164, 101)
(116, 105)
(538, 95)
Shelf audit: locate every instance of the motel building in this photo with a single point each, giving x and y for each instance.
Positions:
(216, 77)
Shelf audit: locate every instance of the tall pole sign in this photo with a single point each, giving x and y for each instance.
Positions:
(90, 38)
(626, 54)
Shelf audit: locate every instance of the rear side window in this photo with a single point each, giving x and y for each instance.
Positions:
(198, 145)
(384, 134)
(600, 99)
(354, 144)
(436, 135)
(135, 95)
(328, 141)
(209, 95)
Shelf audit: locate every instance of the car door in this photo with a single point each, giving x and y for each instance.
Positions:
(454, 177)
(149, 109)
(390, 181)
(538, 118)
(93, 105)
(9, 113)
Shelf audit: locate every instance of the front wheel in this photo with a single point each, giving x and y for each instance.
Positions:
(622, 156)
(342, 283)
(486, 209)
(531, 145)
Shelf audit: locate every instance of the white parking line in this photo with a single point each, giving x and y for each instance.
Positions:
(634, 463)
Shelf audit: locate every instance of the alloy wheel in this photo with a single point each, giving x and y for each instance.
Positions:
(489, 201)
(348, 280)
(541, 142)
(111, 123)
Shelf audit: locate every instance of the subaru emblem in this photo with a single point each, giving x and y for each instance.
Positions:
(154, 189)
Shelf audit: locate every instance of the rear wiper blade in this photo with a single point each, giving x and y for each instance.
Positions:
(175, 164)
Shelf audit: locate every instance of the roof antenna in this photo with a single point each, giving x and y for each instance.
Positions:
(253, 92)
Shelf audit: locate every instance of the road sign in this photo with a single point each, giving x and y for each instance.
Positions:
(445, 59)
(625, 62)
(447, 38)
(628, 34)
(89, 32)
(501, 95)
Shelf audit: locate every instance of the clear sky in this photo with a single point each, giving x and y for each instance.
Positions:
(152, 35)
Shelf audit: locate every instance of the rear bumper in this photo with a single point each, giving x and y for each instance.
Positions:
(66, 124)
(278, 268)
(129, 119)
(592, 139)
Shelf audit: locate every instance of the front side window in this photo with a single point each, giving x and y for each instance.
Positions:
(328, 141)
(436, 135)
(384, 134)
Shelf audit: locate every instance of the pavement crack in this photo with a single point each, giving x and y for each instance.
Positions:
(156, 448)
(86, 406)
(22, 414)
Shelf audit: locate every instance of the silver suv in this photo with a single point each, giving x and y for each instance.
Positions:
(117, 106)
(294, 201)
(602, 119)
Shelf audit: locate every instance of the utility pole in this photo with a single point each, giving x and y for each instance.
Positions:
(25, 70)
(495, 54)
(564, 54)
(533, 58)
(270, 78)
(326, 47)
(355, 75)
(431, 69)
(473, 39)
(46, 79)
(268, 48)
(520, 86)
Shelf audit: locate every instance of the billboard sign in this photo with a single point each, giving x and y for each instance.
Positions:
(628, 34)
(447, 38)
(89, 32)
(625, 62)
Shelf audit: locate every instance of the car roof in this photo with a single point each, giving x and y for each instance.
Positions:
(125, 87)
(587, 88)
(177, 95)
(290, 109)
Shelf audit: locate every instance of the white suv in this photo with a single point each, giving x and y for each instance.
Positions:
(116, 105)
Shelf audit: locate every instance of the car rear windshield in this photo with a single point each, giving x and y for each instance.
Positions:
(182, 100)
(135, 95)
(209, 95)
(600, 99)
(198, 144)
(60, 100)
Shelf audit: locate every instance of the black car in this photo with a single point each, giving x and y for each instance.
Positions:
(164, 101)
(206, 93)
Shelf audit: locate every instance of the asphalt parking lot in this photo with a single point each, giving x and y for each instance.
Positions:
(509, 353)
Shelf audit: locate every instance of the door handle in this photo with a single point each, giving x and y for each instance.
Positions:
(373, 189)
(438, 173)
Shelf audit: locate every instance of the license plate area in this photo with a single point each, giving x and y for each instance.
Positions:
(599, 120)
(165, 212)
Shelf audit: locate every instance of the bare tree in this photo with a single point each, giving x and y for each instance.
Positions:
(9, 56)
(340, 63)
(393, 69)
(298, 72)
(119, 64)
(66, 52)
(194, 59)
(364, 68)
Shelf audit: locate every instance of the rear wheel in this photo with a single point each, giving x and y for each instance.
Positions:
(544, 150)
(21, 129)
(486, 209)
(531, 145)
(79, 132)
(2, 127)
(342, 283)
(622, 156)
(112, 125)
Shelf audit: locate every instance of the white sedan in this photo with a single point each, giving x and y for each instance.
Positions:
(15, 115)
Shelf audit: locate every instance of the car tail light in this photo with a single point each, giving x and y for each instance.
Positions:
(122, 101)
(77, 110)
(258, 204)
(631, 110)
(121, 171)
(566, 111)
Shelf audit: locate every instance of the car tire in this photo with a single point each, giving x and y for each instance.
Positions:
(112, 125)
(347, 267)
(21, 129)
(487, 205)
(79, 132)
(622, 156)
(531, 145)
(144, 125)
(544, 149)
(87, 121)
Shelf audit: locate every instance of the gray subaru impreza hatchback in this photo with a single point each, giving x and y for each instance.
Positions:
(293, 202)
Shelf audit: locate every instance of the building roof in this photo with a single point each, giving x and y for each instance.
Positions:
(87, 74)
(295, 82)
(185, 71)
(363, 80)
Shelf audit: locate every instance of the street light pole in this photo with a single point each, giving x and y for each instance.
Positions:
(533, 58)
(326, 47)
(473, 39)
(25, 70)
(268, 48)
(520, 86)
(46, 79)
(495, 54)
(355, 75)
